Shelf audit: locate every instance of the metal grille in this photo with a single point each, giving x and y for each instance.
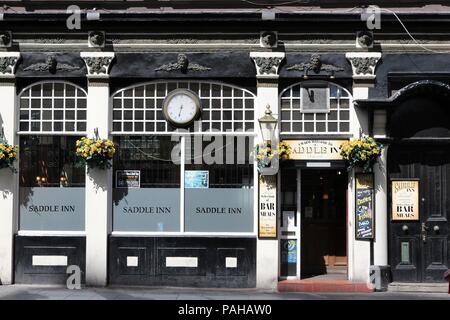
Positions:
(52, 107)
(225, 108)
(337, 120)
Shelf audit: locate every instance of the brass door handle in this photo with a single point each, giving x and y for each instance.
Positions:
(423, 232)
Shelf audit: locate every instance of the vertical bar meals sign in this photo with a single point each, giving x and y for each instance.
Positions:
(405, 199)
(267, 207)
(364, 222)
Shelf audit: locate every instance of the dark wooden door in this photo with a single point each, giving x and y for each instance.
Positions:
(420, 250)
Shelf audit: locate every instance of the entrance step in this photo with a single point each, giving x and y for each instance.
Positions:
(418, 287)
(324, 286)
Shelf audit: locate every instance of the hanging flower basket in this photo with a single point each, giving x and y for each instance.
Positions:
(95, 152)
(361, 153)
(265, 153)
(8, 154)
(284, 150)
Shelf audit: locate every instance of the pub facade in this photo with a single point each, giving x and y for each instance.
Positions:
(184, 201)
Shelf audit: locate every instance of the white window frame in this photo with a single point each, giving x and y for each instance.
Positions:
(183, 132)
(183, 135)
(52, 97)
(325, 133)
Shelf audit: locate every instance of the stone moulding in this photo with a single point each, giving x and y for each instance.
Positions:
(267, 63)
(315, 65)
(363, 64)
(8, 62)
(183, 65)
(98, 63)
(51, 65)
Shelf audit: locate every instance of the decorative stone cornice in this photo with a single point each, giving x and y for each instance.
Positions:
(267, 64)
(98, 63)
(183, 65)
(51, 65)
(363, 64)
(8, 62)
(315, 65)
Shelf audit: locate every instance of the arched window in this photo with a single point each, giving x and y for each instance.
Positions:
(52, 107)
(330, 115)
(138, 109)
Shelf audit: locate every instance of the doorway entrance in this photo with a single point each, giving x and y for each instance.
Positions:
(318, 196)
(419, 249)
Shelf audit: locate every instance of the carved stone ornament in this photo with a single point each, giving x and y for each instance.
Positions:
(8, 61)
(51, 65)
(364, 64)
(269, 39)
(98, 63)
(182, 65)
(364, 39)
(315, 65)
(267, 63)
(5, 39)
(96, 39)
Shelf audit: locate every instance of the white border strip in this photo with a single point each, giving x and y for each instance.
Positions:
(47, 260)
(34, 233)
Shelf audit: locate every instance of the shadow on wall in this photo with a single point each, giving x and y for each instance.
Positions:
(420, 116)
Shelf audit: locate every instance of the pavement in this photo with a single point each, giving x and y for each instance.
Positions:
(51, 292)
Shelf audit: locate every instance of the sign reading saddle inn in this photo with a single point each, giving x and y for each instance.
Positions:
(315, 149)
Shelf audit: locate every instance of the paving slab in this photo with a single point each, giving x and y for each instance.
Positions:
(39, 292)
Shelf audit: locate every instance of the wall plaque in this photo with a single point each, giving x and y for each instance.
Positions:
(405, 199)
(315, 149)
(364, 206)
(267, 207)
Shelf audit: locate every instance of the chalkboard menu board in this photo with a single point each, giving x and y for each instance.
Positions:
(364, 206)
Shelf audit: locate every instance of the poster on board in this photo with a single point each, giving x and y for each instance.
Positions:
(128, 179)
(267, 207)
(196, 179)
(364, 206)
(405, 199)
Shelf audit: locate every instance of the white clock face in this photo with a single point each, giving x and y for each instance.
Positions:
(181, 108)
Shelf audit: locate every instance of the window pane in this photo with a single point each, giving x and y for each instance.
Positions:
(50, 157)
(50, 179)
(219, 186)
(154, 206)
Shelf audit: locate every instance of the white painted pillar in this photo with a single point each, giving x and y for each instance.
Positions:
(363, 66)
(9, 192)
(98, 181)
(267, 251)
(381, 211)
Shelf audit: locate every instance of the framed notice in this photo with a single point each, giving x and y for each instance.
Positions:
(128, 179)
(267, 215)
(405, 199)
(364, 206)
(196, 179)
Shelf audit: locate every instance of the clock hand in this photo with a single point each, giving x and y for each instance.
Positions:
(179, 114)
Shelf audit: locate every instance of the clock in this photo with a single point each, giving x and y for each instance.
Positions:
(181, 107)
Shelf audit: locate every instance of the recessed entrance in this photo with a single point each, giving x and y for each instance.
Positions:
(313, 206)
(323, 224)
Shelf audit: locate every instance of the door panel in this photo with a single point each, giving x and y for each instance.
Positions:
(428, 238)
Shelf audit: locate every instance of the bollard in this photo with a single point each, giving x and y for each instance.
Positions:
(447, 277)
